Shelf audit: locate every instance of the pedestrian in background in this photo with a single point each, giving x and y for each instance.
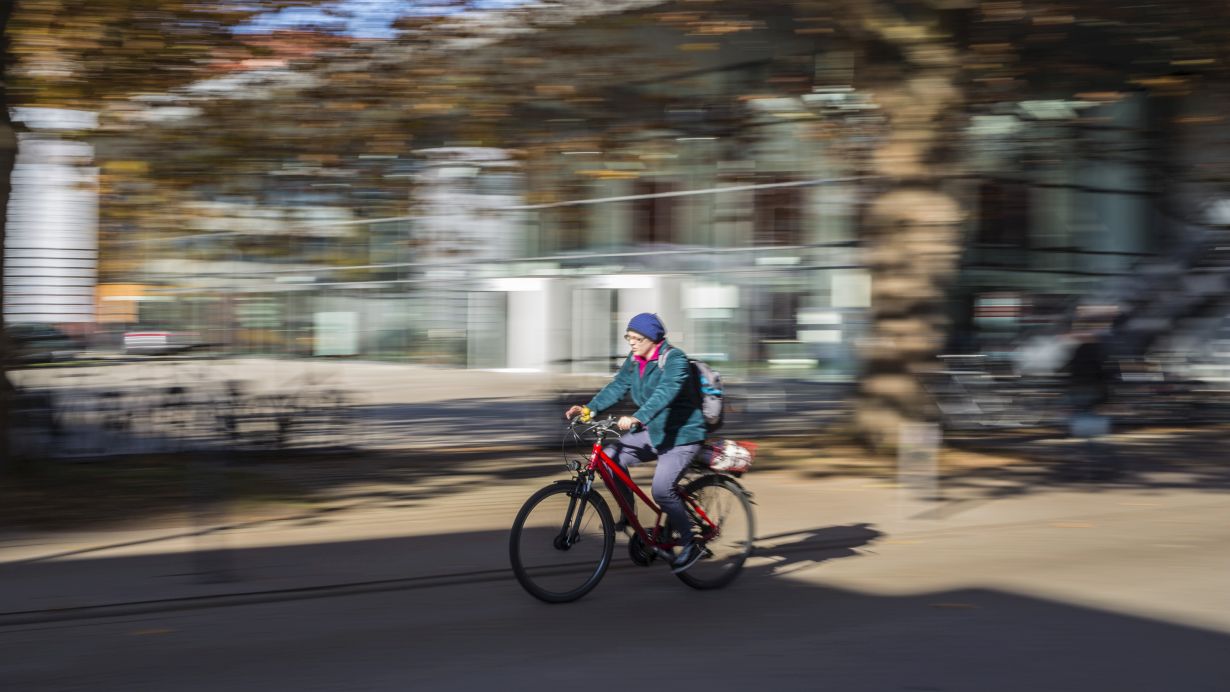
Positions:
(1090, 377)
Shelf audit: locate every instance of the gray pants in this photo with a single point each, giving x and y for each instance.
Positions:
(634, 448)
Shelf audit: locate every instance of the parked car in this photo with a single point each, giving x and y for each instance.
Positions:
(151, 342)
(41, 343)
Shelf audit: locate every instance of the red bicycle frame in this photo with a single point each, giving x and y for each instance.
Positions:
(610, 472)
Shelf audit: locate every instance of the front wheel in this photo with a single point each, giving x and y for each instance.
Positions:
(561, 543)
(722, 510)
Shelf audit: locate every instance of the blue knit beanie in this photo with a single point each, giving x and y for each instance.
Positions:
(648, 325)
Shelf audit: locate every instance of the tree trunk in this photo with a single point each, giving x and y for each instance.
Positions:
(8, 158)
(912, 235)
(912, 231)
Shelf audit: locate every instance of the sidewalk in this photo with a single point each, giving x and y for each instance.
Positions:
(450, 525)
(453, 532)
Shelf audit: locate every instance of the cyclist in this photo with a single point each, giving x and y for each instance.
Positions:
(671, 425)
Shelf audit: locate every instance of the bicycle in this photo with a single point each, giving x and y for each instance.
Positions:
(563, 538)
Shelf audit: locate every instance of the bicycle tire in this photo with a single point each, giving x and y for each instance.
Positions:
(544, 567)
(728, 504)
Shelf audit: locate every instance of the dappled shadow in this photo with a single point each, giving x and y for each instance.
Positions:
(388, 454)
(226, 487)
(207, 489)
(400, 454)
(1152, 459)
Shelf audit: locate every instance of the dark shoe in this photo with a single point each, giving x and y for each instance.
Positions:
(686, 558)
(622, 525)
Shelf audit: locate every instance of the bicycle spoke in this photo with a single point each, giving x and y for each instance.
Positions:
(729, 543)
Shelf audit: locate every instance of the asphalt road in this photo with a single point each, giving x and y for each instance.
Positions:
(1129, 594)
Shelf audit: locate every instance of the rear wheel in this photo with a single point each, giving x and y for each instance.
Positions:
(561, 543)
(727, 534)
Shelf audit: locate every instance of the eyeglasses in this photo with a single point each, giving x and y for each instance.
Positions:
(634, 339)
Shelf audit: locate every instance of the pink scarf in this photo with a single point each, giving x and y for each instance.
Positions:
(645, 361)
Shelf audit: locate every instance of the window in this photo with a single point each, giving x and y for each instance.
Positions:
(1003, 214)
(779, 216)
(653, 219)
(780, 316)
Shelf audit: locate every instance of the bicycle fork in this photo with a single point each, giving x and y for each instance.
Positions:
(570, 531)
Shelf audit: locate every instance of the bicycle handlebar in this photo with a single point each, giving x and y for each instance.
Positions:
(608, 422)
(605, 426)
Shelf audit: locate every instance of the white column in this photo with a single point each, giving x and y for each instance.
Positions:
(51, 245)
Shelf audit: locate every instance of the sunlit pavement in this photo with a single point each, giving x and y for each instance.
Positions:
(856, 584)
(1016, 579)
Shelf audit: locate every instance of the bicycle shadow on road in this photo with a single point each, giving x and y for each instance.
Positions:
(794, 551)
(778, 554)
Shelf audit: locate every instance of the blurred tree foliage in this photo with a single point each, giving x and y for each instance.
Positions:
(87, 55)
(934, 63)
(192, 112)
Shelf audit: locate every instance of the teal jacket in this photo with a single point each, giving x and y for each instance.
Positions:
(666, 407)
